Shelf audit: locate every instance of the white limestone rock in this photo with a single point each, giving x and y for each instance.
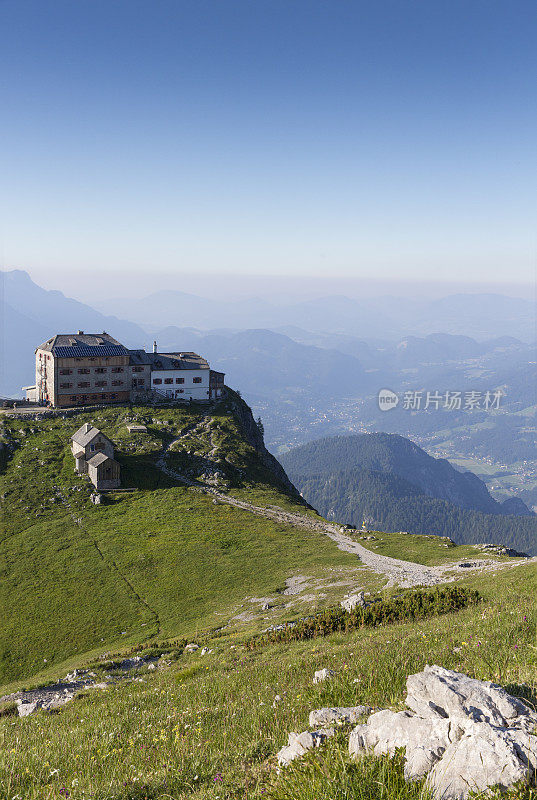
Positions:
(339, 716)
(354, 601)
(299, 744)
(322, 675)
(463, 734)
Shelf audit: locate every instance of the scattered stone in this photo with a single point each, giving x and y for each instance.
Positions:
(300, 743)
(339, 716)
(465, 735)
(205, 651)
(75, 675)
(266, 606)
(191, 648)
(132, 663)
(322, 675)
(276, 701)
(354, 601)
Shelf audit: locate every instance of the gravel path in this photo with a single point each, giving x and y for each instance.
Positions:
(398, 572)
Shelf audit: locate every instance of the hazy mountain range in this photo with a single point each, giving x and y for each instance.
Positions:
(299, 354)
(482, 316)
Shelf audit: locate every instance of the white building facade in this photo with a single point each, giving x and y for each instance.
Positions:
(181, 384)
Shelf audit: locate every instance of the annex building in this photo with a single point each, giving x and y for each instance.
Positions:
(84, 368)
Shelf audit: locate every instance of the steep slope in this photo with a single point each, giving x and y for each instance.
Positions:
(162, 560)
(208, 726)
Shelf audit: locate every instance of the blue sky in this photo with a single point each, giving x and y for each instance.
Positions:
(381, 139)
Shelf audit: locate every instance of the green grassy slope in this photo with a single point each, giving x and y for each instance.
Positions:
(164, 560)
(208, 727)
(419, 548)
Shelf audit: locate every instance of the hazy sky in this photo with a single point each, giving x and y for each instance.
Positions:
(372, 139)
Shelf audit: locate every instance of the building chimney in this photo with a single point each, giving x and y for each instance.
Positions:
(154, 347)
(80, 333)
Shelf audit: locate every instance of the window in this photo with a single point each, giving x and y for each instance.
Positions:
(179, 380)
(66, 371)
(113, 396)
(137, 369)
(73, 397)
(83, 371)
(179, 391)
(100, 370)
(168, 380)
(157, 380)
(94, 396)
(83, 384)
(117, 369)
(66, 385)
(196, 380)
(117, 383)
(101, 383)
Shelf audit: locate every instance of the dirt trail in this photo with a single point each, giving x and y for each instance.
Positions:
(398, 572)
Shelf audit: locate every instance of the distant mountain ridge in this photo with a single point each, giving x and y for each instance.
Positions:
(390, 453)
(481, 316)
(393, 484)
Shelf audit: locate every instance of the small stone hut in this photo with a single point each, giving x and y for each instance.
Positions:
(94, 456)
(104, 472)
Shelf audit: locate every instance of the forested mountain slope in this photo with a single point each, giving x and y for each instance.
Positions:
(392, 484)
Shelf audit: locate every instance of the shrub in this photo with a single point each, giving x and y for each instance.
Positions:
(414, 605)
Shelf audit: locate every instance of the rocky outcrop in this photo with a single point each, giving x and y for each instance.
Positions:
(463, 734)
(299, 744)
(254, 437)
(337, 716)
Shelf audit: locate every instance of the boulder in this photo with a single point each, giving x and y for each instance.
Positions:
(465, 735)
(299, 744)
(354, 601)
(191, 648)
(340, 716)
(322, 675)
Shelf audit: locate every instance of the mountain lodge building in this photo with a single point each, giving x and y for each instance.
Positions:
(83, 369)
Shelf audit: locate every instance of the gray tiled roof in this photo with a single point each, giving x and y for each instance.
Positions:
(86, 434)
(177, 361)
(65, 345)
(139, 357)
(99, 458)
